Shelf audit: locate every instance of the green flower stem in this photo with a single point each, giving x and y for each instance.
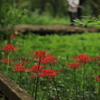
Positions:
(37, 82)
(47, 89)
(2, 55)
(36, 87)
(90, 92)
(75, 83)
(16, 77)
(56, 88)
(99, 85)
(50, 66)
(83, 80)
(7, 66)
(20, 79)
(7, 70)
(99, 91)
(33, 87)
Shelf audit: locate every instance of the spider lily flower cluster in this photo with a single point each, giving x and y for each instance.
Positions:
(42, 58)
(9, 48)
(6, 60)
(83, 59)
(37, 70)
(19, 68)
(12, 36)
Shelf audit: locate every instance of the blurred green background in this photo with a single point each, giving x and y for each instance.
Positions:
(26, 11)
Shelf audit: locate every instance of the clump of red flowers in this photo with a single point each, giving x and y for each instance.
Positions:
(74, 65)
(42, 58)
(98, 78)
(39, 71)
(9, 48)
(37, 68)
(6, 60)
(49, 73)
(12, 36)
(18, 64)
(19, 68)
(48, 59)
(83, 58)
(39, 54)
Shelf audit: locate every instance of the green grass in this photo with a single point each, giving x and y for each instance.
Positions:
(47, 19)
(44, 20)
(62, 45)
(64, 48)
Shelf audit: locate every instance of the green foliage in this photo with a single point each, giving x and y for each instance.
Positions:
(88, 21)
(4, 8)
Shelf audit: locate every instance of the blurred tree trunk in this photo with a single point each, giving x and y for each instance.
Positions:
(96, 7)
(43, 4)
(58, 7)
(79, 14)
(54, 6)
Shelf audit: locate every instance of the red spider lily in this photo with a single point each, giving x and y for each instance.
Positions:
(39, 54)
(49, 73)
(9, 48)
(18, 64)
(19, 69)
(12, 36)
(36, 68)
(98, 78)
(23, 59)
(47, 59)
(6, 60)
(74, 65)
(83, 58)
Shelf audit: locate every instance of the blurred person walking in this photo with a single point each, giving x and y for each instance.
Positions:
(73, 6)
